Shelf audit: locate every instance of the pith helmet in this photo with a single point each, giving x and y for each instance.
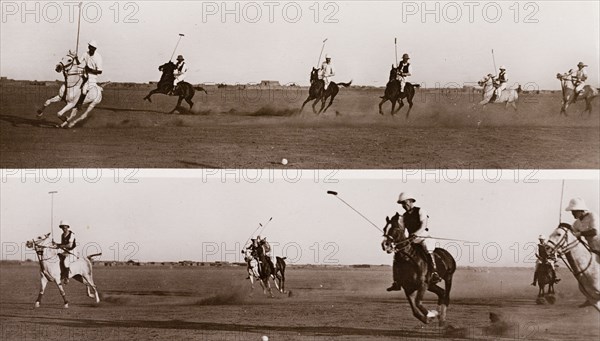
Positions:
(576, 204)
(405, 196)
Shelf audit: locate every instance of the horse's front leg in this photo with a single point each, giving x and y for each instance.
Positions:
(383, 100)
(43, 283)
(429, 314)
(149, 95)
(413, 306)
(83, 116)
(177, 106)
(54, 99)
(67, 107)
(63, 294)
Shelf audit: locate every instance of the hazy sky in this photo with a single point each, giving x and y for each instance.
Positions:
(451, 43)
(183, 216)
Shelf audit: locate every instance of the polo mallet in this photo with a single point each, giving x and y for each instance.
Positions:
(52, 213)
(181, 35)
(78, 28)
(335, 194)
(560, 209)
(321, 54)
(494, 60)
(396, 48)
(260, 227)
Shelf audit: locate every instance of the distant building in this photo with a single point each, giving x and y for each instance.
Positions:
(269, 83)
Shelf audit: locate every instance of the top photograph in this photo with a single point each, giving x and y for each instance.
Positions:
(300, 84)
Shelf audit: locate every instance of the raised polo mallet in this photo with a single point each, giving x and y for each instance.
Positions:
(396, 48)
(494, 60)
(181, 35)
(320, 54)
(335, 194)
(52, 213)
(260, 227)
(78, 27)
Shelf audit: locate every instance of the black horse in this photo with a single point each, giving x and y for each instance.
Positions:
(165, 86)
(393, 94)
(317, 91)
(267, 270)
(412, 272)
(545, 275)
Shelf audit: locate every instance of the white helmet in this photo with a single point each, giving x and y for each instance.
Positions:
(93, 43)
(327, 56)
(405, 196)
(576, 204)
(542, 237)
(64, 223)
(502, 67)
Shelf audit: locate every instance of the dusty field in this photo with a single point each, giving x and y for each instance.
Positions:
(231, 128)
(326, 304)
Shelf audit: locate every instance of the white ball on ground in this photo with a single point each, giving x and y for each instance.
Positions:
(264, 338)
(284, 162)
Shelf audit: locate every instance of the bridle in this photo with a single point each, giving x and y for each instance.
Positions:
(66, 68)
(39, 250)
(563, 246)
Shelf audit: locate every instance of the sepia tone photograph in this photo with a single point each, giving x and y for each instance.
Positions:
(244, 255)
(323, 84)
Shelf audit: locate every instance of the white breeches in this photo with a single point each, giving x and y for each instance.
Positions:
(427, 242)
(580, 86)
(179, 78)
(500, 88)
(70, 257)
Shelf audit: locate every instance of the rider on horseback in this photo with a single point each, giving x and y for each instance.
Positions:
(414, 221)
(585, 225)
(403, 71)
(67, 244)
(326, 71)
(180, 72)
(92, 64)
(500, 83)
(578, 78)
(262, 242)
(544, 258)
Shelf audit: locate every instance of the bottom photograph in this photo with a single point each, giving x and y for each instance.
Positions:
(116, 254)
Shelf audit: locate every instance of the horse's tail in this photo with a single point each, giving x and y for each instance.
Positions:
(199, 88)
(345, 84)
(94, 255)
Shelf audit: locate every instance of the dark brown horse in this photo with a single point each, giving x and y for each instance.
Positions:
(318, 92)
(267, 270)
(165, 86)
(412, 273)
(392, 93)
(545, 275)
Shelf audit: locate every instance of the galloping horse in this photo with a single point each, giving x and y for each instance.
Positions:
(545, 276)
(583, 264)
(568, 94)
(184, 89)
(80, 269)
(508, 96)
(317, 91)
(392, 93)
(412, 273)
(73, 75)
(260, 270)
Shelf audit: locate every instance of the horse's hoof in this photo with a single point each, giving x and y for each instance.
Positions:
(431, 314)
(66, 306)
(36, 305)
(39, 112)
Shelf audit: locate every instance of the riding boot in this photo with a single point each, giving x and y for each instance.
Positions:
(65, 277)
(431, 263)
(395, 287)
(80, 101)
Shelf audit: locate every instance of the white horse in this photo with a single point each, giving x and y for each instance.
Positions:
(73, 75)
(568, 93)
(508, 96)
(79, 269)
(584, 265)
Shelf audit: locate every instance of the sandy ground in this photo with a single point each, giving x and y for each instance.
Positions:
(209, 303)
(231, 128)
